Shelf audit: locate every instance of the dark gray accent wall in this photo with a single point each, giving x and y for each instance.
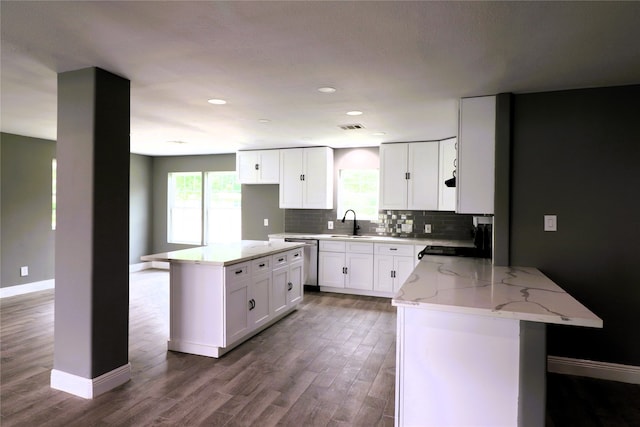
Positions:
(92, 245)
(162, 166)
(576, 154)
(502, 199)
(260, 201)
(25, 216)
(141, 207)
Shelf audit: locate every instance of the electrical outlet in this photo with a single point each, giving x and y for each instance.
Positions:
(330, 225)
(406, 228)
(266, 222)
(550, 223)
(24, 271)
(427, 228)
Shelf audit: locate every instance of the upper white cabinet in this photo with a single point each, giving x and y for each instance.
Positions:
(476, 155)
(258, 167)
(306, 178)
(409, 176)
(447, 164)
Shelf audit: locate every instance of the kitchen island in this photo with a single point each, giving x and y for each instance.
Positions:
(224, 293)
(471, 344)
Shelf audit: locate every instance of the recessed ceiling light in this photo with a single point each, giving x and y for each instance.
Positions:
(327, 89)
(216, 101)
(177, 142)
(379, 133)
(354, 113)
(264, 120)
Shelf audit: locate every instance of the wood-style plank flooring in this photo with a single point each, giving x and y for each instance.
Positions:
(330, 363)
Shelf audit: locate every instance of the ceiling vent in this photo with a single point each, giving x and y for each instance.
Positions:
(351, 127)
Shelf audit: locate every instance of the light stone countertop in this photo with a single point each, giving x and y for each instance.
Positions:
(224, 253)
(475, 286)
(374, 239)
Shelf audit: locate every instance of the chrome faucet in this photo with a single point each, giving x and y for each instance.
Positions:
(355, 222)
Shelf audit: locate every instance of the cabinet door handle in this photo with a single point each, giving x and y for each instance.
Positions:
(238, 271)
(280, 259)
(346, 270)
(262, 265)
(290, 285)
(408, 175)
(296, 255)
(393, 274)
(393, 249)
(252, 304)
(301, 177)
(257, 166)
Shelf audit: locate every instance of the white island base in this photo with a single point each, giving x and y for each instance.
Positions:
(221, 295)
(469, 370)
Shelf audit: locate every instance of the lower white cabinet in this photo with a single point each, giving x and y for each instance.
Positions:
(287, 286)
(345, 265)
(393, 264)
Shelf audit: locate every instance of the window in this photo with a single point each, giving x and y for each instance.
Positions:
(223, 202)
(184, 216)
(358, 190)
(54, 173)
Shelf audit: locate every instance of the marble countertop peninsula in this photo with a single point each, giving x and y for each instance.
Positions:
(475, 286)
(223, 254)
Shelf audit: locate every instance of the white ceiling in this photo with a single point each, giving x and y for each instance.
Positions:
(404, 64)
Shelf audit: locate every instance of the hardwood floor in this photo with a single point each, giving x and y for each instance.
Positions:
(330, 363)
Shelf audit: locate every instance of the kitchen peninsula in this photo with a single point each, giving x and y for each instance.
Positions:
(224, 293)
(471, 344)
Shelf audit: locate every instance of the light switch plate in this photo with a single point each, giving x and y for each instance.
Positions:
(266, 222)
(550, 223)
(427, 228)
(330, 225)
(24, 271)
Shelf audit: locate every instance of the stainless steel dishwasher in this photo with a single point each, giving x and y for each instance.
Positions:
(310, 262)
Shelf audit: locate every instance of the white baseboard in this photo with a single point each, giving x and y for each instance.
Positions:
(88, 388)
(10, 291)
(139, 266)
(589, 368)
(162, 265)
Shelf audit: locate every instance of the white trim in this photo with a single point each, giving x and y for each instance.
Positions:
(589, 368)
(163, 265)
(10, 291)
(88, 388)
(139, 266)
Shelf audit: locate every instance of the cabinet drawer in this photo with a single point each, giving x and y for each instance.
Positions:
(332, 246)
(261, 265)
(391, 249)
(280, 260)
(236, 272)
(359, 248)
(295, 255)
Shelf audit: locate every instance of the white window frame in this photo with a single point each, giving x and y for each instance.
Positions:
(207, 199)
(170, 207)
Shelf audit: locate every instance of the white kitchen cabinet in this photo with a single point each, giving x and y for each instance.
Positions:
(258, 166)
(409, 176)
(345, 265)
(476, 155)
(447, 166)
(260, 292)
(393, 264)
(287, 283)
(306, 178)
(238, 300)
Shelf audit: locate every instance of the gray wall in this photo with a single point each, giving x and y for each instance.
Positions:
(27, 238)
(576, 154)
(141, 207)
(260, 201)
(25, 209)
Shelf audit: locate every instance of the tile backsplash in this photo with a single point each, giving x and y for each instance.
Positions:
(444, 225)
